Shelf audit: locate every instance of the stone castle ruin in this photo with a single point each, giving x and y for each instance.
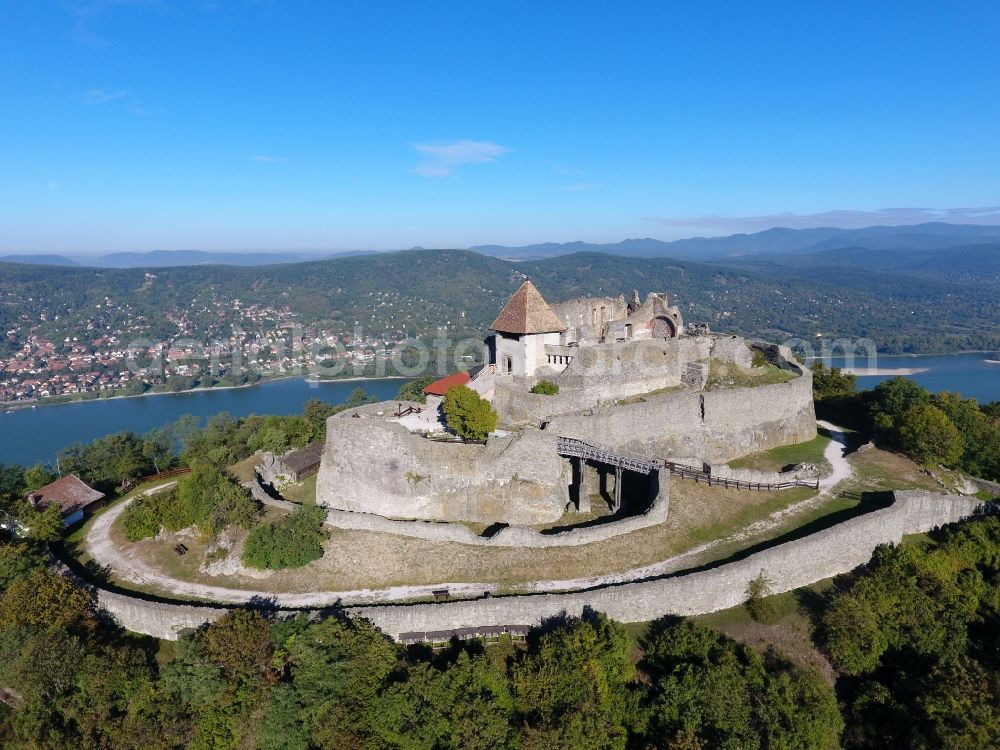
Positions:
(635, 390)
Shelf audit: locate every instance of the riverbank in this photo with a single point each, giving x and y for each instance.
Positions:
(28, 436)
(884, 371)
(83, 399)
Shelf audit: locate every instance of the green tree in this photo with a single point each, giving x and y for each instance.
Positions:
(570, 688)
(17, 560)
(239, 643)
(291, 542)
(709, 691)
(414, 389)
(929, 437)
(891, 399)
(545, 387)
(37, 476)
(316, 413)
(359, 397)
(337, 670)
(44, 599)
(468, 415)
(158, 447)
(980, 435)
(44, 525)
(832, 382)
(214, 500)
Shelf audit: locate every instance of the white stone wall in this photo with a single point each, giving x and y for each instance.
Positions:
(512, 536)
(371, 465)
(825, 554)
(701, 427)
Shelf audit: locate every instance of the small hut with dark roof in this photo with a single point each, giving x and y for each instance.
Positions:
(525, 326)
(73, 496)
(293, 466)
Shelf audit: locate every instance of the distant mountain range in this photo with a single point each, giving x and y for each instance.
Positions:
(930, 236)
(915, 300)
(926, 238)
(172, 258)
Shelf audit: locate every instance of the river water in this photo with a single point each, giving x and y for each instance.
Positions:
(973, 375)
(31, 435)
(28, 436)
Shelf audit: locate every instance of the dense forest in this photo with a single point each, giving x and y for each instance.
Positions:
(911, 638)
(415, 292)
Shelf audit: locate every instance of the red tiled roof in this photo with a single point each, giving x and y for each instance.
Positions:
(440, 387)
(69, 493)
(527, 312)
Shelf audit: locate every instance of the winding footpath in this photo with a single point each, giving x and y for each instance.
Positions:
(128, 565)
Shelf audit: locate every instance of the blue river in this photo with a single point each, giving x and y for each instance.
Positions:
(31, 435)
(975, 375)
(28, 435)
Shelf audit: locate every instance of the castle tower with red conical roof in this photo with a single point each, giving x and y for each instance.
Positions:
(522, 330)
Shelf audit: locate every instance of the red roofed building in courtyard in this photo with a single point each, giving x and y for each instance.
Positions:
(440, 387)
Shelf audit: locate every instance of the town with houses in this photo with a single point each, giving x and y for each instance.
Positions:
(122, 359)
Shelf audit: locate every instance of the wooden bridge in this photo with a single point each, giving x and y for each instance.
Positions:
(573, 448)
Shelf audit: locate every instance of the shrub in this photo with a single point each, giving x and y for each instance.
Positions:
(142, 519)
(759, 605)
(205, 498)
(213, 501)
(832, 382)
(468, 415)
(292, 542)
(545, 388)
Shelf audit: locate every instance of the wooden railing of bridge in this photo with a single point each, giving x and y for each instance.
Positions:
(698, 475)
(574, 448)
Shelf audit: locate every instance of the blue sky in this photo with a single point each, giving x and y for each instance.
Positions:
(316, 126)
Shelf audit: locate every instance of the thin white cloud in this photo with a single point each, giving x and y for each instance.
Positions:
(103, 96)
(563, 169)
(579, 187)
(87, 14)
(123, 97)
(841, 219)
(441, 159)
(266, 159)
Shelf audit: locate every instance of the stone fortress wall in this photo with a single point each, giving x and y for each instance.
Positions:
(601, 374)
(830, 552)
(610, 318)
(373, 465)
(696, 427)
(514, 535)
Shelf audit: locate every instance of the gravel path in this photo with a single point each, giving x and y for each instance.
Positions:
(127, 565)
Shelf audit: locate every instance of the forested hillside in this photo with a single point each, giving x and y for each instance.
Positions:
(415, 292)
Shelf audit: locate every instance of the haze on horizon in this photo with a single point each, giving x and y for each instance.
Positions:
(171, 124)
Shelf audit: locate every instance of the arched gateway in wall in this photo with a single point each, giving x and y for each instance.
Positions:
(664, 327)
